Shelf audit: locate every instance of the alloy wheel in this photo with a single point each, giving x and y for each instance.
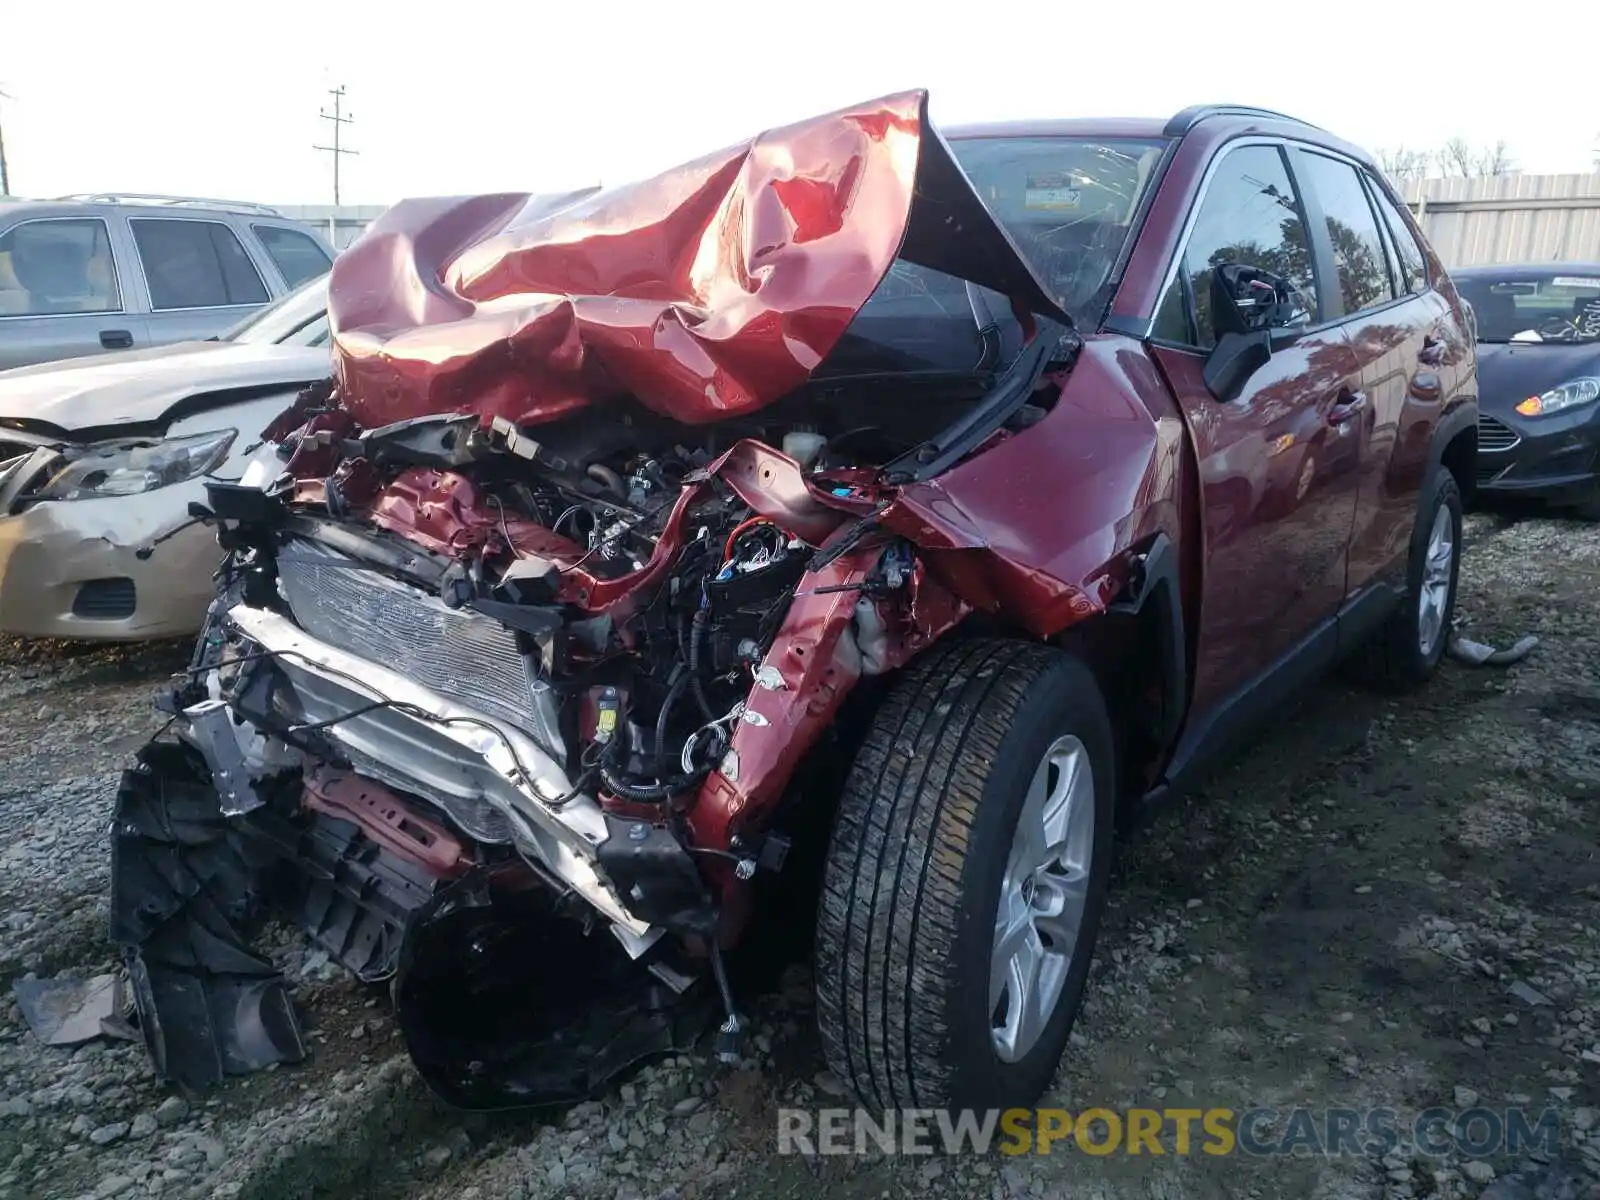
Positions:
(1043, 897)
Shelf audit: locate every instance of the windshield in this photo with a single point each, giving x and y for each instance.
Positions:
(299, 319)
(1069, 205)
(1534, 306)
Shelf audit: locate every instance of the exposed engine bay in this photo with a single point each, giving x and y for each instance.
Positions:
(506, 711)
(579, 685)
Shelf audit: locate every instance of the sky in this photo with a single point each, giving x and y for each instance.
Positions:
(466, 96)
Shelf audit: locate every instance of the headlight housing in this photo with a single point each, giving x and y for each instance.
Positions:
(1583, 390)
(128, 468)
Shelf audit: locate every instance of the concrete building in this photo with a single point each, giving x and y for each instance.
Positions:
(341, 225)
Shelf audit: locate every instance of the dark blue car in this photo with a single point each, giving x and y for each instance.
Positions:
(1538, 381)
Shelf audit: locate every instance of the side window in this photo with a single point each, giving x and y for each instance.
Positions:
(297, 256)
(1413, 267)
(55, 267)
(1352, 229)
(195, 264)
(1249, 217)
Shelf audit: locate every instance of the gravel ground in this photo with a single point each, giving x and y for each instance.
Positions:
(1338, 920)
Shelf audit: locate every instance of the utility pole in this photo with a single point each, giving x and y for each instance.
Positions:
(5, 173)
(340, 119)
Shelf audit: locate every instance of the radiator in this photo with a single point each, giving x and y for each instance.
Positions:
(469, 659)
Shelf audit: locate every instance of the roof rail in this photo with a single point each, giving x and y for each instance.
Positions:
(1182, 122)
(234, 206)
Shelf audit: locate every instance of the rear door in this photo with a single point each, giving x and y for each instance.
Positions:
(200, 279)
(62, 293)
(1277, 488)
(1399, 331)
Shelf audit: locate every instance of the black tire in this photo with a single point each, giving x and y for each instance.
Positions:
(1395, 662)
(1588, 510)
(912, 883)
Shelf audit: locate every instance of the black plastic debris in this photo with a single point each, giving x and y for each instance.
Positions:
(504, 999)
(184, 899)
(505, 1003)
(69, 1012)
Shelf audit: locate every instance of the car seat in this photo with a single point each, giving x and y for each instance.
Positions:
(54, 270)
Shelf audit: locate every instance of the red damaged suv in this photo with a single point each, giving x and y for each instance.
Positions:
(827, 542)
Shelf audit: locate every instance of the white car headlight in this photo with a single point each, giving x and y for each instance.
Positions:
(127, 468)
(1583, 390)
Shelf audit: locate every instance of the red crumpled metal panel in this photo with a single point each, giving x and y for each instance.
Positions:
(705, 292)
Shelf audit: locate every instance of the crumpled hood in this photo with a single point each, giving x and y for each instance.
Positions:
(706, 292)
(141, 386)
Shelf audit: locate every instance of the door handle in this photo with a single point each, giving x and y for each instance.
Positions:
(1432, 352)
(116, 339)
(1348, 406)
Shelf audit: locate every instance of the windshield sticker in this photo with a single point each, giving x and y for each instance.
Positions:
(1576, 281)
(1052, 191)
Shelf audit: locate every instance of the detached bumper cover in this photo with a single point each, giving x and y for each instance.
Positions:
(503, 1000)
(185, 892)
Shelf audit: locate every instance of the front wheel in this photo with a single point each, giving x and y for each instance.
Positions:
(966, 878)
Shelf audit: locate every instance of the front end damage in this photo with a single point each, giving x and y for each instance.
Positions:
(503, 703)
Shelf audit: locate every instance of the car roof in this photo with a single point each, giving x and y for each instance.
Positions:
(1106, 127)
(1498, 270)
(15, 210)
(1214, 123)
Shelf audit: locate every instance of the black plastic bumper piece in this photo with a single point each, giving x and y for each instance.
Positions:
(505, 1003)
(341, 888)
(183, 893)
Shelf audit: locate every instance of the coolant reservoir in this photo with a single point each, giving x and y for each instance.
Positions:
(804, 446)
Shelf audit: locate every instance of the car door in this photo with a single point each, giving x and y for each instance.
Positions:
(61, 292)
(1403, 336)
(1277, 492)
(199, 277)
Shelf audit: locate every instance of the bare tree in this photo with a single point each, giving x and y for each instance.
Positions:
(1459, 157)
(1401, 164)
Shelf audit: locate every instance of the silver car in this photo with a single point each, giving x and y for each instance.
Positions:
(85, 274)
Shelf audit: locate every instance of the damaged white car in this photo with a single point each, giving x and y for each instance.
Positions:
(101, 458)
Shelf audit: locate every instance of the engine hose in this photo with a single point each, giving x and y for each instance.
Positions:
(673, 692)
(697, 632)
(608, 477)
(648, 793)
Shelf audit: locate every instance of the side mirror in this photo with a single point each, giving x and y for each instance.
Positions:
(1232, 361)
(1245, 299)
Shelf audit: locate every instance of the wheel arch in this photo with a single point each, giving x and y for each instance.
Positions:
(1138, 651)
(1455, 448)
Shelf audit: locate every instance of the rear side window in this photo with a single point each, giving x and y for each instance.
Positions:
(297, 256)
(56, 267)
(1249, 216)
(1352, 230)
(195, 264)
(1412, 266)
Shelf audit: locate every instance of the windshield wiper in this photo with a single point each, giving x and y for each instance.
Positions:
(988, 328)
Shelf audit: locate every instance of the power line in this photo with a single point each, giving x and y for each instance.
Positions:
(340, 119)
